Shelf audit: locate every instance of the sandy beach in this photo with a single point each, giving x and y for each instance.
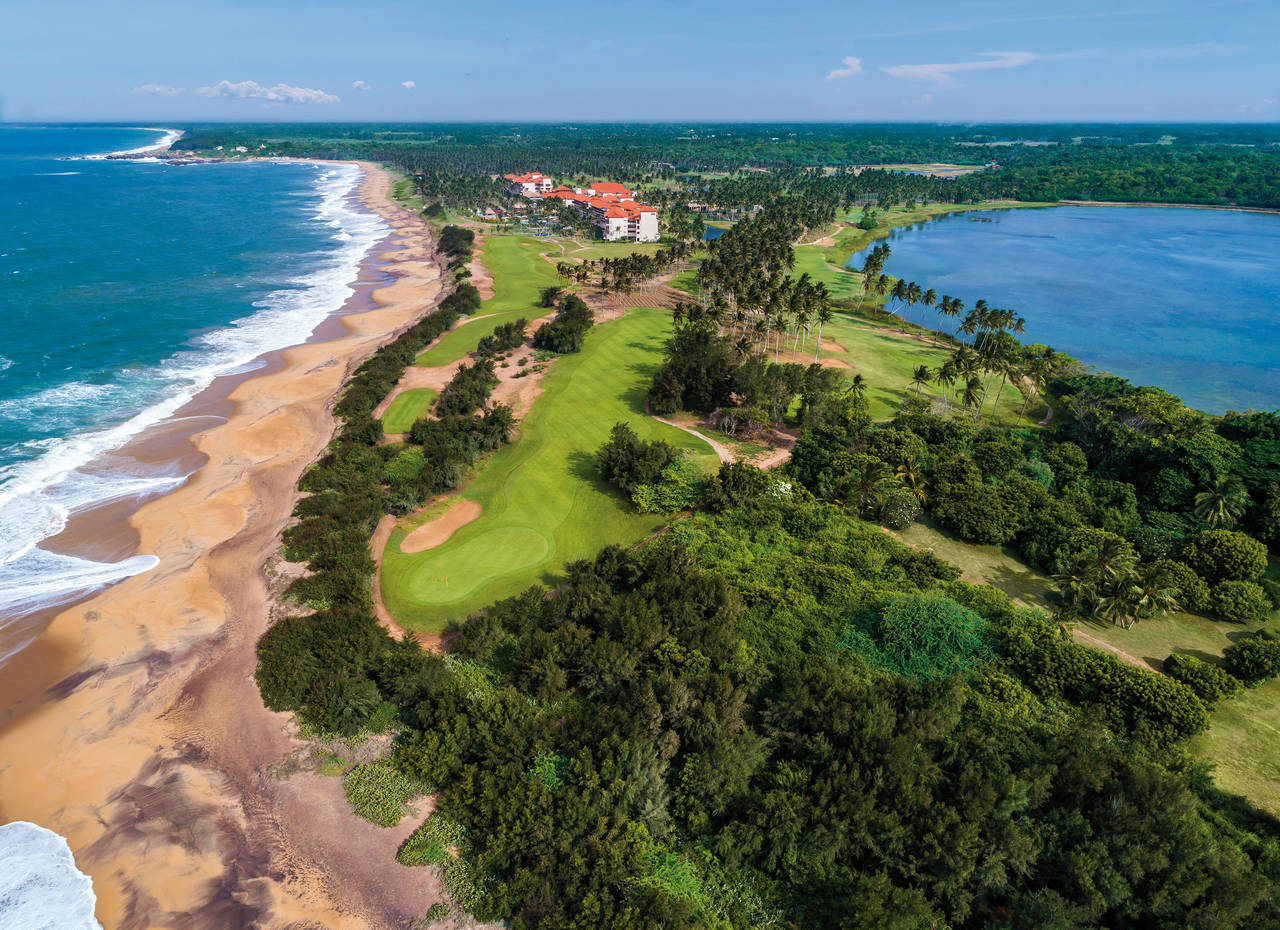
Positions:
(133, 726)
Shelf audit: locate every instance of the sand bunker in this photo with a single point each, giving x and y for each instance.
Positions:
(437, 531)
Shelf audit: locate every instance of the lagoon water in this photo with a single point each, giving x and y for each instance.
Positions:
(1188, 300)
(126, 287)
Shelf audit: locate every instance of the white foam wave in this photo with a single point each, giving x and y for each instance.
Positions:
(39, 494)
(5, 363)
(55, 174)
(169, 137)
(40, 886)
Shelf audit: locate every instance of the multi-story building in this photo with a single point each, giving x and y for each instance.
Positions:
(532, 184)
(613, 209)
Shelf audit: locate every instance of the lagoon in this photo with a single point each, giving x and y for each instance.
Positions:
(1188, 300)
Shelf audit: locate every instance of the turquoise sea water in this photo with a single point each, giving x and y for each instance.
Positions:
(126, 287)
(1188, 300)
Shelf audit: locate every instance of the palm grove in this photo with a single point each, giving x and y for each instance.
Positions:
(774, 715)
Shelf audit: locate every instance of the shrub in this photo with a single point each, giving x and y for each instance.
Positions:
(379, 792)
(1068, 462)
(431, 842)
(679, 488)
(976, 512)
(921, 636)
(1136, 700)
(1239, 601)
(900, 509)
(997, 459)
(629, 462)
(1193, 593)
(1210, 682)
(1253, 660)
(896, 446)
(569, 328)
(1225, 555)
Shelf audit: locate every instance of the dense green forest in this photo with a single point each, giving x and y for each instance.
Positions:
(1207, 164)
(774, 714)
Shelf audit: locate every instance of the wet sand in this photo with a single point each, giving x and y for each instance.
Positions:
(133, 726)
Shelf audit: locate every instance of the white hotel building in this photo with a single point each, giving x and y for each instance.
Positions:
(612, 208)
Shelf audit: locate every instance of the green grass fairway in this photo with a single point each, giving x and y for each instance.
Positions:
(543, 502)
(407, 409)
(519, 272)
(993, 565)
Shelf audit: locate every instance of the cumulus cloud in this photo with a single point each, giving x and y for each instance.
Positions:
(160, 90)
(361, 85)
(851, 67)
(941, 74)
(409, 84)
(280, 93)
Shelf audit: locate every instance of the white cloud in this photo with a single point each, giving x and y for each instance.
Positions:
(940, 74)
(851, 67)
(362, 85)
(409, 84)
(1262, 106)
(160, 90)
(280, 93)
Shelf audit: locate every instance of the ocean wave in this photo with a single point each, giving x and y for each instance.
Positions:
(170, 136)
(54, 174)
(40, 493)
(40, 886)
(5, 363)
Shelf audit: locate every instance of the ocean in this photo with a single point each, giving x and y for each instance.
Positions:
(1187, 300)
(126, 287)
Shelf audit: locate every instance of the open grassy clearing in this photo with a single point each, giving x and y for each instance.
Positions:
(519, 272)
(407, 409)
(886, 359)
(543, 503)
(993, 565)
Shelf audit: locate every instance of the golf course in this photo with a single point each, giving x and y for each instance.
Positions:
(542, 501)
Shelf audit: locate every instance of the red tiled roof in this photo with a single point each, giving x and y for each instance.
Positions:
(608, 187)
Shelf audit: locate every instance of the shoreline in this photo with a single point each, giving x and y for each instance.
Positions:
(140, 728)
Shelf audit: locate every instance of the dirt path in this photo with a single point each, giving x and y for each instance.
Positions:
(1088, 639)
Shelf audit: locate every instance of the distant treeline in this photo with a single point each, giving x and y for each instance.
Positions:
(1205, 164)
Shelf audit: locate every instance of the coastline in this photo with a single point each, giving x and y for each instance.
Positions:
(139, 727)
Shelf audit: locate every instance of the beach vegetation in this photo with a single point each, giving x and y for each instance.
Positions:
(379, 792)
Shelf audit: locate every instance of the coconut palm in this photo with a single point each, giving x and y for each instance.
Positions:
(912, 477)
(921, 376)
(1223, 504)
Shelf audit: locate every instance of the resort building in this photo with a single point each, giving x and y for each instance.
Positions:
(613, 210)
(527, 185)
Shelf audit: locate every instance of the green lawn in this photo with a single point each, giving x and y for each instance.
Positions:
(993, 565)
(543, 502)
(407, 409)
(519, 272)
(886, 360)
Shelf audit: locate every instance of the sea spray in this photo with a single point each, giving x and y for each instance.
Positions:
(72, 423)
(40, 886)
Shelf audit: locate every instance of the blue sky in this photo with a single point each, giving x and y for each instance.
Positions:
(1211, 60)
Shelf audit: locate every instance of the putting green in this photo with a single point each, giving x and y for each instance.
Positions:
(407, 409)
(543, 502)
(519, 272)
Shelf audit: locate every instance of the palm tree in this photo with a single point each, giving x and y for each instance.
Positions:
(1223, 504)
(927, 300)
(971, 398)
(921, 376)
(912, 476)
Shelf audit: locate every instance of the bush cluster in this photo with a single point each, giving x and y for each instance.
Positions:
(566, 332)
